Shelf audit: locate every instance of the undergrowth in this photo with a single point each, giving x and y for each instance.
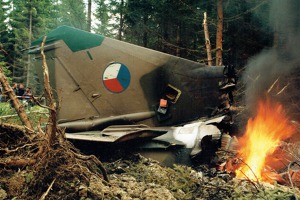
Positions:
(36, 114)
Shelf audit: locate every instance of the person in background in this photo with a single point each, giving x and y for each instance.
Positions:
(28, 92)
(28, 97)
(21, 90)
(15, 88)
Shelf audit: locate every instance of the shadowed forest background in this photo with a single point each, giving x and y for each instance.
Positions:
(169, 26)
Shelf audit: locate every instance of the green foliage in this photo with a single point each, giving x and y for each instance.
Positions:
(72, 13)
(5, 109)
(4, 36)
(29, 177)
(182, 181)
(102, 14)
(36, 114)
(176, 26)
(246, 190)
(25, 21)
(170, 26)
(186, 183)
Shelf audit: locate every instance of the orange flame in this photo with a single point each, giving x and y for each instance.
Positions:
(263, 133)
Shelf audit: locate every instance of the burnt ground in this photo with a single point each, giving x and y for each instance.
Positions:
(131, 176)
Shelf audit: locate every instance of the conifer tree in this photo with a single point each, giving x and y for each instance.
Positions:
(28, 20)
(5, 60)
(72, 13)
(103, 15)
(18, 21)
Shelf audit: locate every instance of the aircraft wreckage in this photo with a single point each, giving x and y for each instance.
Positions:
(111, 91)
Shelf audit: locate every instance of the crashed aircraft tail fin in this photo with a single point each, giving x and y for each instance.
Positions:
(98, 79)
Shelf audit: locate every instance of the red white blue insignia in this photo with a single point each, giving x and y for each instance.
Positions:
(116, 77)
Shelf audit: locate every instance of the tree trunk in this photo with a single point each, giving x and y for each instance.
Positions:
(15, 101)
(145, 34)
(51, 128)
(121, 20)
(207, 41)
(165, 33)
(178, 41)
(219, 48)
(89, 16)
(29, 43)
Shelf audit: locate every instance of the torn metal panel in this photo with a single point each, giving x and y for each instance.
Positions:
(119, 133)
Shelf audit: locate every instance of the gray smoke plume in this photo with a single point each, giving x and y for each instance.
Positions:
(276, 66)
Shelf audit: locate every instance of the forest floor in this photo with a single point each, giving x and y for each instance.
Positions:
(131, 176)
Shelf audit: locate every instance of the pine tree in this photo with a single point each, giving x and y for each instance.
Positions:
(45, 17)
(5, 57)
(102, 14)
(72, 13)
(18, 21)
(246, 30)
(140, 21)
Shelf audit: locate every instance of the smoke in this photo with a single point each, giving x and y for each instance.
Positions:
(274, 66)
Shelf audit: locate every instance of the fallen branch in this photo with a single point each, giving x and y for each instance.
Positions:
(12, 126)
(257, 181)
(48, 190)
(20, 163)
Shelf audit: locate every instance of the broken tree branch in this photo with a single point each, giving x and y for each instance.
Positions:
(269, 90)
(288, 172)
(39, 104)
(51, 128)
(48, 190)
(282, 89)
(15, 101)
(257, 180)
(207, 41)
(219, 36)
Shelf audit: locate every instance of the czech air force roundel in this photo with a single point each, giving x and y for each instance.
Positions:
(116, 77)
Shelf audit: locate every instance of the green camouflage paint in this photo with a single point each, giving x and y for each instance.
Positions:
(75, 39)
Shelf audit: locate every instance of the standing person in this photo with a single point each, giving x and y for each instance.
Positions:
(21, 90)
(15, 88)
(28, 97)
(28, 92)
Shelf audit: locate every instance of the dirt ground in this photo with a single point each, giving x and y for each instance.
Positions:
(131, 176)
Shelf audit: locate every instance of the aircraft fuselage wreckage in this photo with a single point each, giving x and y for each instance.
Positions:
(111, 91)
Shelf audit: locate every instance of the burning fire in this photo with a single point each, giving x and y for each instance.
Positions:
(263, 134)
